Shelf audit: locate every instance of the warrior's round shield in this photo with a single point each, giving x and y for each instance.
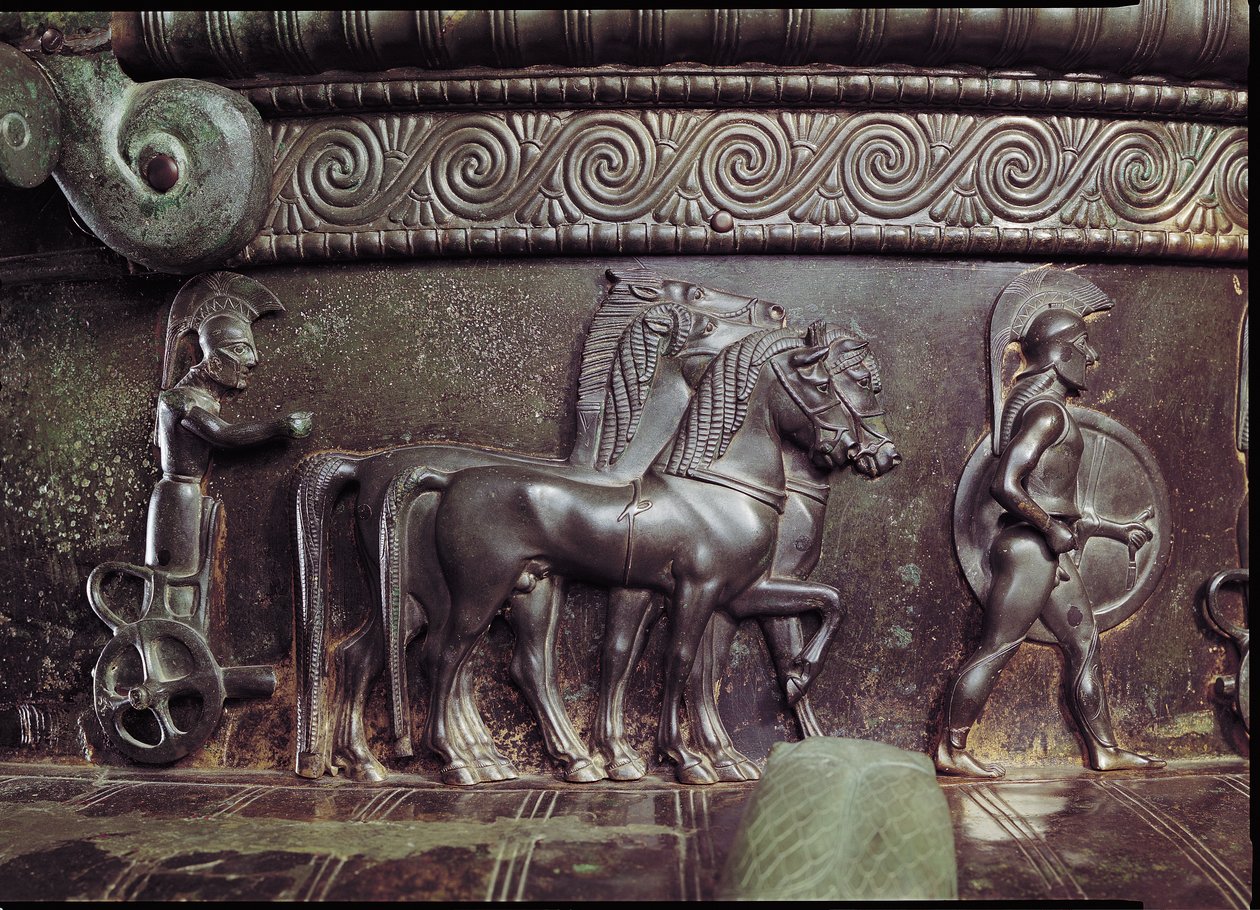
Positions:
(1119, 480)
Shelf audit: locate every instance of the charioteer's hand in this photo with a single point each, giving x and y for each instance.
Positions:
(1059, 537)
(299, 424)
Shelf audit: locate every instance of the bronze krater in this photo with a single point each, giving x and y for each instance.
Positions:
(869, 383)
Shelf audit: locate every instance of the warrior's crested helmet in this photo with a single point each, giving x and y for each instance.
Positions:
(1044, 311)
(1048, 339)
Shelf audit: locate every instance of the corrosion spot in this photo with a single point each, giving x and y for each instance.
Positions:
(1075, 616)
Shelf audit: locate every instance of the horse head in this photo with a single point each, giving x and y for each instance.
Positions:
(834, 382)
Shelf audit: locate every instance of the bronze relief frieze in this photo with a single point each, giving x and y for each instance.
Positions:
(158, 689)
(744, 181)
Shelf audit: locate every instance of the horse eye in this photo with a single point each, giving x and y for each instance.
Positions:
(822, 386)
(709, 329)
(696, 293)
(776, 312)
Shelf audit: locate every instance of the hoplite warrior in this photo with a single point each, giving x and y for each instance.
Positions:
(1035, 554)
(220, 308)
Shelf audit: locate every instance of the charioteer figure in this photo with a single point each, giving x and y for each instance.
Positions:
(132, 679)
(220, 308)
(1034, 558)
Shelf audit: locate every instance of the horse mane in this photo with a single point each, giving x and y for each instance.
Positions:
(629, 293)
(661, 330)
(720, 403)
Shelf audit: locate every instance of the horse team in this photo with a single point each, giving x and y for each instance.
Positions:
(708, 431)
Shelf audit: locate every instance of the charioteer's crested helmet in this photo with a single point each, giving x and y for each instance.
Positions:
(220, 307)
(1043, 311)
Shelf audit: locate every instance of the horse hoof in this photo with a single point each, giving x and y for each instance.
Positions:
(699, 772)
(729, 772)
(403, 748)
(583, 771)
(497, 771)
(357, 768)
(737, 770)
(460, 775)
(630, 769)
(750, 769)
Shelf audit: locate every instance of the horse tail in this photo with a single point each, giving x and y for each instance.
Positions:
(320, 480)
(402, 491)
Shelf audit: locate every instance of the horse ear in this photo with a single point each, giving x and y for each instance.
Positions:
(802, 359)
(645, 291)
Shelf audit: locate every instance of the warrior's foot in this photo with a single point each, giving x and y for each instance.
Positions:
(358, 763)
(960, 762)
(1112, 758)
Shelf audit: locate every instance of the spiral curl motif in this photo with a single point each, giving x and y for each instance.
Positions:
(1018, 168)
(885, 165)
(751, 165)
(610, 169)
(1139, 171)
(1232, 183)
(618, 167)
(340, 173)
(476, 166)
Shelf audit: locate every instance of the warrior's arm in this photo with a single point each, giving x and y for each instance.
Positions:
(219, 432)
(1040, 427)
(1133, 533)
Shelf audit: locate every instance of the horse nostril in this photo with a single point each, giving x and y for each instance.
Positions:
(896, 459)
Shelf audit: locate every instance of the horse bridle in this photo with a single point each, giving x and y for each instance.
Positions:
(858, 430)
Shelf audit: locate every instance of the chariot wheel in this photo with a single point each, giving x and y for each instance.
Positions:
(158, 691)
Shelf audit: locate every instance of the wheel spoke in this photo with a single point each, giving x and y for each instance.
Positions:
(162, 709)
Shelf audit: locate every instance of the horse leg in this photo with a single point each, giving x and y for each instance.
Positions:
(701, 700)
(445, 651)
(357, 663)
(692, 605)
(785, 639)
(631, 614)
(535, 620)
(492, 764)
(787, 596)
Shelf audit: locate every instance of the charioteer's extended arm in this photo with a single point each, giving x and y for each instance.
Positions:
(1041, 426)
(218, 432)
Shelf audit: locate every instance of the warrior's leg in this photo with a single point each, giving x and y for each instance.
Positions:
(1023, 577)
(1070, 617)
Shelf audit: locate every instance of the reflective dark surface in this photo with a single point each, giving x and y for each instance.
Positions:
(1179, 841)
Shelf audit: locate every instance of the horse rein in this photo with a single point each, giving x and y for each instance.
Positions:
(857, 429)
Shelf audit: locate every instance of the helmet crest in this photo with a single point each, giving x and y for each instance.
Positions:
(209, 295)
(1015, 312)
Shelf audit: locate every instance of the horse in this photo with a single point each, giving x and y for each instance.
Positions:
(706, 515)
(631, 614)
(647, 331)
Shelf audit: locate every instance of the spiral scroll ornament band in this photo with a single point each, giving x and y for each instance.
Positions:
(580, 169)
